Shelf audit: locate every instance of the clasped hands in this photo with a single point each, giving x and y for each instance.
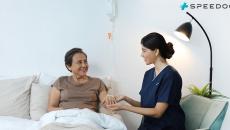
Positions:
(111, 102)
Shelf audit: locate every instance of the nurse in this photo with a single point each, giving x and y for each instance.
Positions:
(161, 89)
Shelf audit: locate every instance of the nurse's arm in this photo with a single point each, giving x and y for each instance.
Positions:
(155, 112)
(132, 101)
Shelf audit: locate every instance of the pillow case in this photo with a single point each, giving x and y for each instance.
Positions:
(39, 100)
(5, 77)
(108, 82)
(40, 95)
(46, 79)
(15, 97)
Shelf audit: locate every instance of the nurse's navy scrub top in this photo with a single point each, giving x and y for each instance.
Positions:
(165, 87)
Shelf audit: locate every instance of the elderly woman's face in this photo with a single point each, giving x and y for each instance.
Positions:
(79, 64)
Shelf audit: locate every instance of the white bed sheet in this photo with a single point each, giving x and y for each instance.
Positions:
(14, 123)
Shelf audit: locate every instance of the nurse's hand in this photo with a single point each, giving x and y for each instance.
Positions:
(116, 107)
(120, 98)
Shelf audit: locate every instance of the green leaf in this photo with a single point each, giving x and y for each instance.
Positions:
(216, 93)
(204, 91)
(195, 90)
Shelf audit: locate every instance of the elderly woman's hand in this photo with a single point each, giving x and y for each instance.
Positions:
(120, 98)
(116, 106)
(109, 99)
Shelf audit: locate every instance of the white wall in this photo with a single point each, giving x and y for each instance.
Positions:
(136, 18)
(35, 35)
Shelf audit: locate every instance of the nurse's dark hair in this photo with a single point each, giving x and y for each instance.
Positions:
(154, 41)
(69, 56)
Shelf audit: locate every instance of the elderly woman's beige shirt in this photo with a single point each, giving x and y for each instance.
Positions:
(74, 95)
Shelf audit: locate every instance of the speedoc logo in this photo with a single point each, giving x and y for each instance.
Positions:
(186, 5)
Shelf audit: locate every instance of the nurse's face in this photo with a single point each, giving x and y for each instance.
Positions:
(149, 55)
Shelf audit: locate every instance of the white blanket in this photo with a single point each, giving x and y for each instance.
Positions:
(75, 117)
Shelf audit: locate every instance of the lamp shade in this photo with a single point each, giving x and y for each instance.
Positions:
(184, 31)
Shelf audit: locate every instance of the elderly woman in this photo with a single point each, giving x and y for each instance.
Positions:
(78, 90)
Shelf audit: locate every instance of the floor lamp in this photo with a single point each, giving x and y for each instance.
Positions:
(184, 32)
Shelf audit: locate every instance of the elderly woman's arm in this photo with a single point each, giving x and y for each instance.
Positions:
(54, 99)
(106, 99)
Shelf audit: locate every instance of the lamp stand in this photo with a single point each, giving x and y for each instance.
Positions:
(210, 47)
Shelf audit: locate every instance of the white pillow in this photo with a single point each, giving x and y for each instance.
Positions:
(39, 100)
(4, 77)
(15, 97)
(44, 78)
(108, 82)
(40, 95)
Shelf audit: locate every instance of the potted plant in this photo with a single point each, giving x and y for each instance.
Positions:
(204, 91)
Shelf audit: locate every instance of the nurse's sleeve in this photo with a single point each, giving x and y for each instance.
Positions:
(143, 83)
(166, 90)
